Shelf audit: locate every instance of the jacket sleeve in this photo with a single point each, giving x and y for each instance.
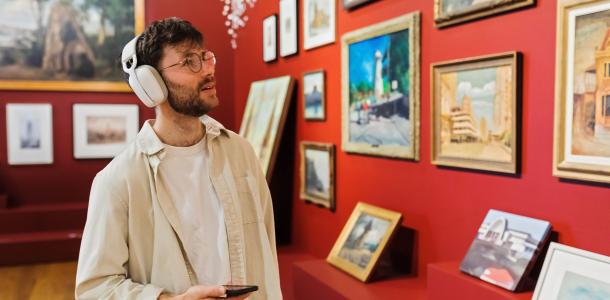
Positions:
(104, 252)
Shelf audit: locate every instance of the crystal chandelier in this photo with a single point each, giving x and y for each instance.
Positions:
(234, 11)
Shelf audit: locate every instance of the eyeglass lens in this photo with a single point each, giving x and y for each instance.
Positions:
(195, 60)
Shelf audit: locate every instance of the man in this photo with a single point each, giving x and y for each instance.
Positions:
(185, 208)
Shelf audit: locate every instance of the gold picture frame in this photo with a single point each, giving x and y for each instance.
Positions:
(582, 106)
(364, 239)
(482, 9)
(475, 112)
(71, 67)
(318, 173)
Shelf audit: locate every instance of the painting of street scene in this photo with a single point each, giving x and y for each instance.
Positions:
(505, 247)
(313, 89)
(106, 129)
(575, 286)
(363, 240)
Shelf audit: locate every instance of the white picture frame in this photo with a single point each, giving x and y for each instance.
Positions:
(289, 32)
(319, 23)
(567, 269)
(29, 129)
(103, 130)
(269, 38)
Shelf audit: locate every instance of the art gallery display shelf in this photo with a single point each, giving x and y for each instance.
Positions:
(445, 281)
(316, 279)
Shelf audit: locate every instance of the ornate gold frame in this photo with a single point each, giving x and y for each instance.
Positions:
(478, 12)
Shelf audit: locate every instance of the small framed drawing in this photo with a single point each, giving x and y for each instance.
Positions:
(582, 92)
(474, 112)
(103, 130)
(451, 12)
(269, 38)
(289, 34)
(318, 173)
(363, 240)
(572, 273)
(318, 23)
(314, 96)
(380, 88)
(351, 4)
(29, 134)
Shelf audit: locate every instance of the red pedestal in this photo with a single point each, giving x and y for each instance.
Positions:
(445, 281)
(316, 279)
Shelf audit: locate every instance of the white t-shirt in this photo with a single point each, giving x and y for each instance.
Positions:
(184, 174)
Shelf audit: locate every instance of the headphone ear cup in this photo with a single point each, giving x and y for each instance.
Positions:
(148, 85)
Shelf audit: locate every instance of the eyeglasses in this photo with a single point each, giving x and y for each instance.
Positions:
(194, 61)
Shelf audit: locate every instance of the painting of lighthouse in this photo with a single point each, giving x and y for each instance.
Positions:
(381, 89)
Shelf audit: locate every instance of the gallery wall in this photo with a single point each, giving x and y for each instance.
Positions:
(68, 179)
(444, 206)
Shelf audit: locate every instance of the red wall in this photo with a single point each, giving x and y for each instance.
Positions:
(444, 206)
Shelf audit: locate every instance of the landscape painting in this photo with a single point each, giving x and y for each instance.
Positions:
(317, 173)
(450, 12)
(313, 89)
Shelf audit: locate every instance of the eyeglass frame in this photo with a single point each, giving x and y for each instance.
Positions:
(201, 59)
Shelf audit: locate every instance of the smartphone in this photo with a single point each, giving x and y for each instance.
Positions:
(238, 290)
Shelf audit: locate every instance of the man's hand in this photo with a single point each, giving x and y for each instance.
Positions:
(198, 292)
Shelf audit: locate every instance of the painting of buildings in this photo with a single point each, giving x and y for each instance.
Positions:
(364, 240)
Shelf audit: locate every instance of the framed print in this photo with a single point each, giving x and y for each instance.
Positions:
(29, 131)
(264, 117)
(318, 23)
(103, 130)
(505, 249)
(66, 45)
(318, 173)
(351, 4)
(474, 112)
(269, 39)
(289, 34)
(380, 88)
(314, 96)
(363, 240)
(582, 92)
(572, 273)
(451, 12)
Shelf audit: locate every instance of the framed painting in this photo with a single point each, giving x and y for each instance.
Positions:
(351, 4)
(319, 23)
(582, 91)
(451, 12)
(29, 131)
(572, 273)
(474, 112)
(66, 45)
(363, 240)
(380, 88)
(264, 117)
(269, 38)
(318, 173)
(103, 130)
(289, 34)
(314, 100)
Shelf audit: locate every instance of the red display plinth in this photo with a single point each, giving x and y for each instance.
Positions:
(316, 279)
(445, 281)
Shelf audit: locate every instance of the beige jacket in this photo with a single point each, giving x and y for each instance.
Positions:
(131, 246)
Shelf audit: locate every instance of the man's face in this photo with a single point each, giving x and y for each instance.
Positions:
(189, 93)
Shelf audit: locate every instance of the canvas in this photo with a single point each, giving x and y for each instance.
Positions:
(66, 45)
(264, 117)
(505, 249)
(380, 88)
(288, 28)
(318, 23)
(317, 173)
(451, 12)
(269, 39)
(29, 134)
(314, 100)
(474, 117)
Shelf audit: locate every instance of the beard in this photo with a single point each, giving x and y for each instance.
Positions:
(186, 101)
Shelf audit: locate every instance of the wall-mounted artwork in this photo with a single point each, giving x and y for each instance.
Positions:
(380, 88)
(103, 130)
(318, 173)
(66, 45)
(451, 12)
(474, 112)
(314, 96)
(29, 129)
(264, 117)
(363, 240)
(351, 4)
(318, 23)
(582, 91)
(505, 249)
(572, 273)
(289, 34)
(269, 39)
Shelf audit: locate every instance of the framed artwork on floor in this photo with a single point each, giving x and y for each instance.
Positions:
(29, 131)
(318, 23)
(451, 12)
(269, 39)
(66, 45)
(582, 91)
(380, 88)
(103, 130)
(289, 33)
(314, 96)
(318, 173)
(474, 112)
(363, 240)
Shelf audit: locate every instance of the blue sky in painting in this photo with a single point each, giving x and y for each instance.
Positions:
(362, 58)
(536, 228)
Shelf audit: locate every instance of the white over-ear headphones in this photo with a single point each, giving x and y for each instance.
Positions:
(145, 80)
